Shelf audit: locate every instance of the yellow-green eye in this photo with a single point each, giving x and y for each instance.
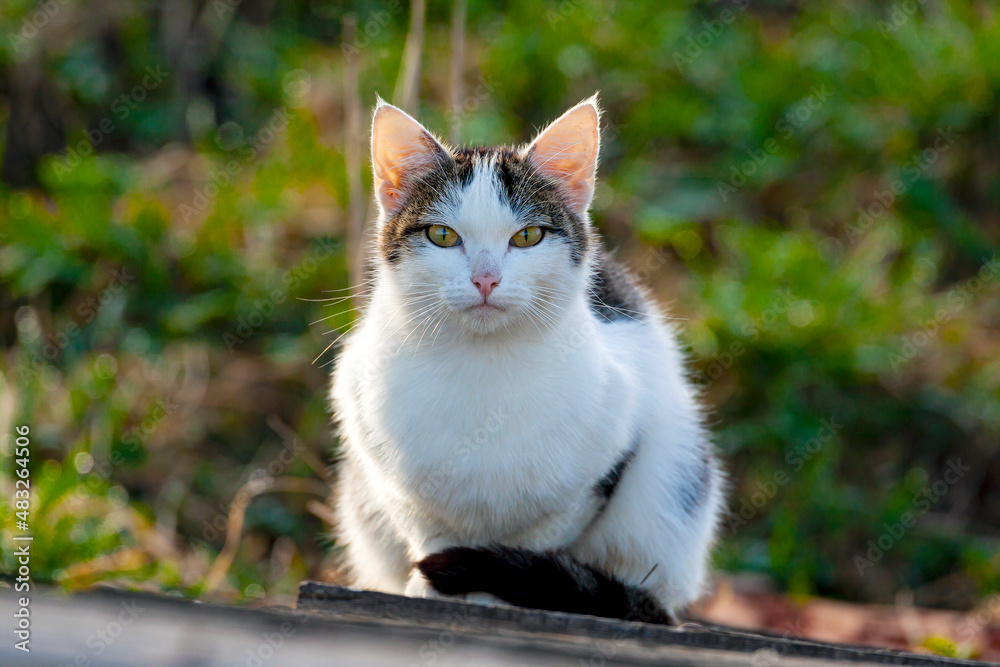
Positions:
(445, 237)
(528, 236)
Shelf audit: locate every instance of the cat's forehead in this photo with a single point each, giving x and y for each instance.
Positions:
(489, 188)
(488, 194)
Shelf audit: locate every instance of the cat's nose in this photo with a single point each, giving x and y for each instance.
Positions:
(485, 282)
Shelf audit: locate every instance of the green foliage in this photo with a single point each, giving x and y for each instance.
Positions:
(812, 188)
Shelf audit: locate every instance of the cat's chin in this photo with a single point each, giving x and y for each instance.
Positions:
(486, 318)
(487, 310)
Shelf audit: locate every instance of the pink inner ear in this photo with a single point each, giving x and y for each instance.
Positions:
(566, 151)
(401, 150)
(402, 154)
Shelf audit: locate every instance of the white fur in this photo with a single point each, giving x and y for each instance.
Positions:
(465, 428)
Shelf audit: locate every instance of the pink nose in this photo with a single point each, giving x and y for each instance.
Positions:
(485, 282)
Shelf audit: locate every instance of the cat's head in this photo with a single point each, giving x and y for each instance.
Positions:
(485, 238)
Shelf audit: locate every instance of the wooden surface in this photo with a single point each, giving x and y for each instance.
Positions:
(635, 643)
(336, 626)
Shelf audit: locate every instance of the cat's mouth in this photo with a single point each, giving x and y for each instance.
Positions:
(486, 308)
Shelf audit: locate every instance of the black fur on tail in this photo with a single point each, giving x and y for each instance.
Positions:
(540, 580)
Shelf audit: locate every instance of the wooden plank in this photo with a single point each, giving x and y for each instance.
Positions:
(335, 627)
(125, 629)
(714, 642)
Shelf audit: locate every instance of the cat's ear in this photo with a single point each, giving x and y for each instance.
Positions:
(566, 151)
(402, 150)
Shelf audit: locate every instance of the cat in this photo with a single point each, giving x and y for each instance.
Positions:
(515, 418)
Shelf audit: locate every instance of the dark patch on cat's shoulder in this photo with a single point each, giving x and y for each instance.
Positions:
(606, 486)
(694, 488)
(614, 292)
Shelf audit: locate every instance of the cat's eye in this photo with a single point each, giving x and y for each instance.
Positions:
(528, 236)
(446, 237)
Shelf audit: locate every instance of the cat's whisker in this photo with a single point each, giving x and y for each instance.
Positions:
(624, 311)
(338, 299)
(349, 330)
(419, 313)
(548, 291)
(392, 316)
(329, 317)
(437, 315)
(351, 292)
(341, 336)
(545, 297)
(363, 283)
(414, 329)
(405, 325)
(331, 301)
(548, 318)
(534, 315)
(356, 308)
(547, 307)
(327, 348)
(435, 335)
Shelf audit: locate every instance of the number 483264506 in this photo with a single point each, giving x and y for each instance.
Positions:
(22, 493)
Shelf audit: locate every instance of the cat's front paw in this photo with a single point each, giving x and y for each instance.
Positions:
(419, 587)
(457, 570)
(454, 574)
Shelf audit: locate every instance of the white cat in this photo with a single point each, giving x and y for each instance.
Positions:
(514, 412)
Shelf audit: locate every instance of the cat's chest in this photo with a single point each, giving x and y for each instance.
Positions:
(494, 431)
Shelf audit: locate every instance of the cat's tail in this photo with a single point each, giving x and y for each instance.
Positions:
(540, 580)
